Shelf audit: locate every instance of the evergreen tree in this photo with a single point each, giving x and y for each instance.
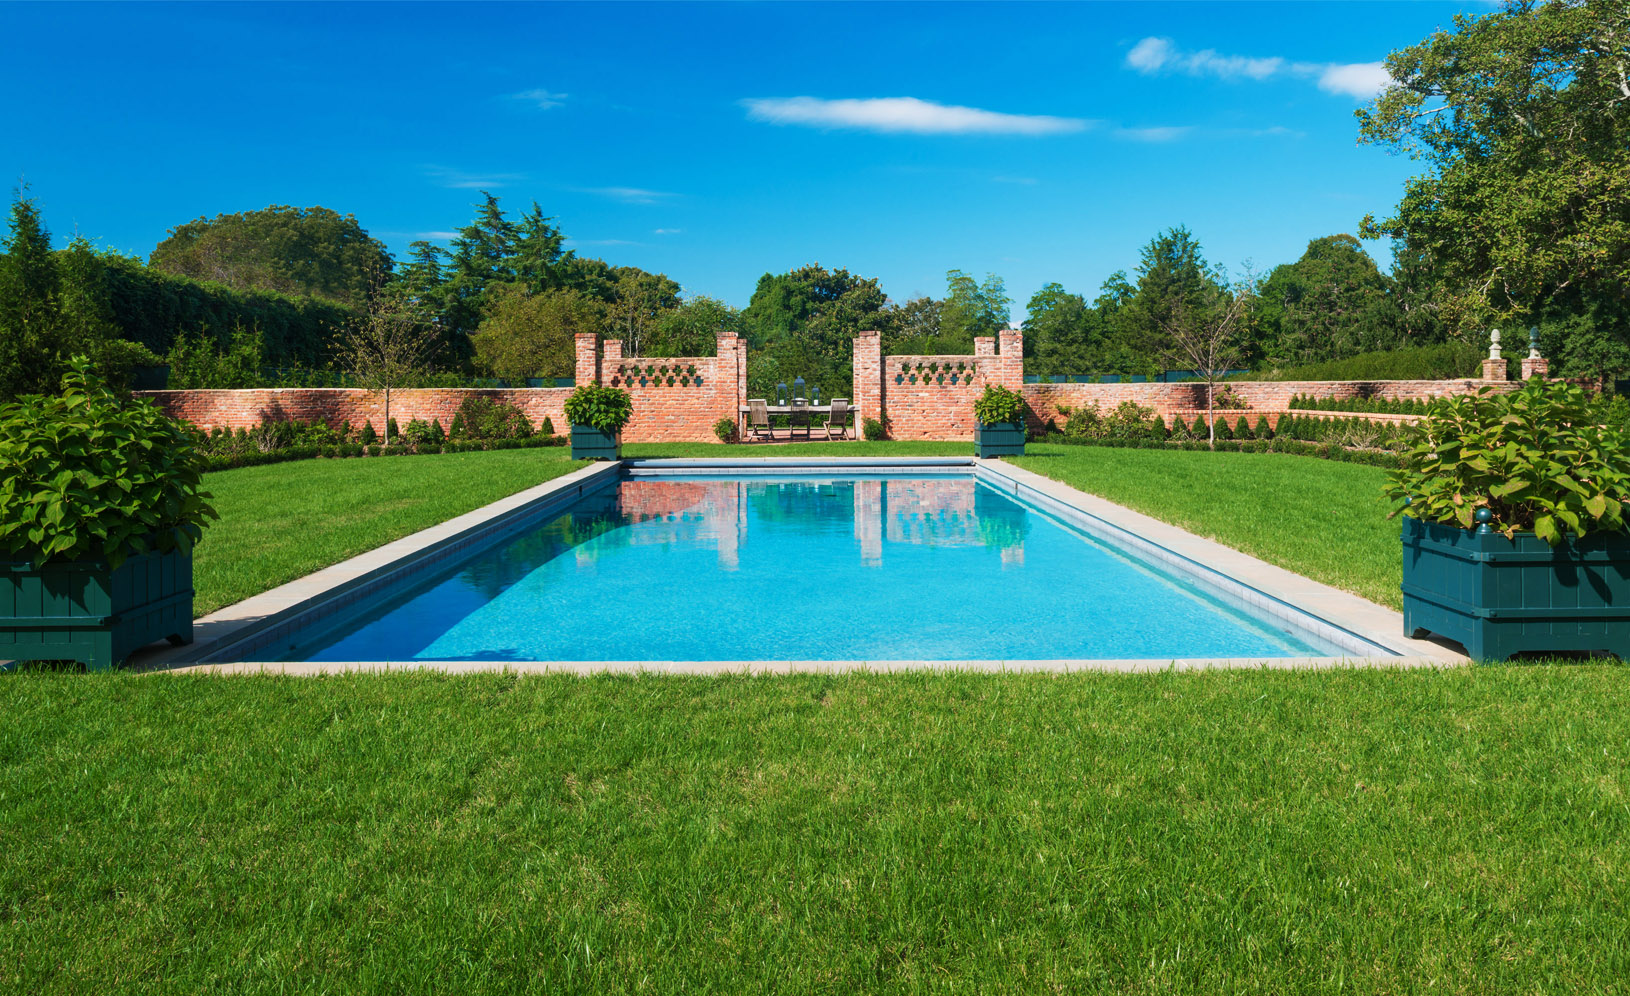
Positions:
(29, 311)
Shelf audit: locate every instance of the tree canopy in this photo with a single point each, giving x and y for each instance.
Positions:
(1523, 117)
(288, 250)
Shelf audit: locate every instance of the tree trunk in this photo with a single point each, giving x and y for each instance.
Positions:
(1211, 414)
(387, 415)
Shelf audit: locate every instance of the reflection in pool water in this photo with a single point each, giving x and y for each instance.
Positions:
(799, 569)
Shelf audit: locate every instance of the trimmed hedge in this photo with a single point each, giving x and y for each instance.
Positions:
(348, 450)
(1293, 447)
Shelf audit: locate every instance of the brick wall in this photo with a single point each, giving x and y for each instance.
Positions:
(334, 405)
(931, 397)
(704, 390)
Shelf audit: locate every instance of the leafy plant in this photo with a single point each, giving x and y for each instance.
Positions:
(1537, 460)
(873, 430)
(998, 406)
(88, 474)
(725, 429)
(548, 426)
(481, 417)
(605, 408)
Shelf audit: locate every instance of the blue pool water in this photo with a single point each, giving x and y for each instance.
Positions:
(930, 568)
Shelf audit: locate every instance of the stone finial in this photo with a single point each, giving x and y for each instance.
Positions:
(1533, 342)
(1494, 344)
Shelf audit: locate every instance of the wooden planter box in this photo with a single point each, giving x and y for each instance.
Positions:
(589, 443)
(1497, 597)
(82, 610)
(999, 439)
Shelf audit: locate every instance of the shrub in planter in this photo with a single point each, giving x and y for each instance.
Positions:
(597, 415)
(100, 504)
(1515, 523)
(1000, 428)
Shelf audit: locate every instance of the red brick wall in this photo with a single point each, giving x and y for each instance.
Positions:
(334, 405)
(678, 399)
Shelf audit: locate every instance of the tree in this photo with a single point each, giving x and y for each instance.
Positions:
(533, 335)
(693, 328)
(1329, 304)
(973, 309)
(1172, 274)
(30, 362)
(914, 326)
(1202, 334)
(288, 250)
(385, 347)
(1061, 333)
(1523, 116)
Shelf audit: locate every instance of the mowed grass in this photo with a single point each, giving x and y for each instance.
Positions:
(283, 521)
(1320, 518)
(1463, 831)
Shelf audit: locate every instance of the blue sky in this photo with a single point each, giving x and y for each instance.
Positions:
(714, 143)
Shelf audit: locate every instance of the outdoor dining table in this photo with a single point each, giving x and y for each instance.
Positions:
(809, 410)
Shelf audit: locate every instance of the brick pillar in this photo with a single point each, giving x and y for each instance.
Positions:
(727, 376)
(588, 358)
(1495, 369)
(868, 401)
(1536, 366)
(984, 345)
(1010, 360)
(611, 357)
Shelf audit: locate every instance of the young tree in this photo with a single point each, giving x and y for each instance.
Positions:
(1202, 334)
(973, 309)
(385, 347)
(29, 310)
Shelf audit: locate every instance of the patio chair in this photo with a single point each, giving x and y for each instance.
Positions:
(758, 419)
(837, 427)
(798, 417)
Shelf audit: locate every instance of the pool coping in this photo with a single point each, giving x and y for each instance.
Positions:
(245, 626)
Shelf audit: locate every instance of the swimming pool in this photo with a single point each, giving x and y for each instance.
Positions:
(852, 566)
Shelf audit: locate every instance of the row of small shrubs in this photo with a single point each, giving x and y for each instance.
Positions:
(1379, 406)
(1325, 451)
(1130, 421)
(347, 450)
(477, 418)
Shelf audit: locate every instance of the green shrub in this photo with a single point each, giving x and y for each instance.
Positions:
(1442, 361)
(392, 431)
(482, 417)
(418, 432)
(369, 437)
(725, 429)
(437, 435)
(1131, 420)
(548, 426)
(1540, 459)
(89, 474)
(200, 360)
(605, 408)
(1263, 430)
(873, 430)
(998, 406)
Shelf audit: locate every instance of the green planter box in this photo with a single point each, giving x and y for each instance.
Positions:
(589, 443)
(82, 610)
(1497, 597)
(999, 439)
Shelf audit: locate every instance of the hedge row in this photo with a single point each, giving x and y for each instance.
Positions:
(1386, 406)
(1323, 451)
(347, 450)
(153, 308)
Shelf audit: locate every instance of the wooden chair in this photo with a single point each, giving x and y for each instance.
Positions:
(798, 417)
(758, 419)
(837, 427)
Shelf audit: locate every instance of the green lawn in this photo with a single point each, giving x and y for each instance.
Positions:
(283, 521)
(1320, 518)
(1266, 832)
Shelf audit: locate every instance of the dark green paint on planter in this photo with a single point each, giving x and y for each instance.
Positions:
(1498, 597)
(85, 611)
(589, 443)
(999, 439)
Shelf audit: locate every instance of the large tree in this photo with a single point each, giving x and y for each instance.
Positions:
(1523, 118)
(1331, 303)
(1172, 273)
(533, 335)
(1062, 334)
(973, 309)
(298, 251)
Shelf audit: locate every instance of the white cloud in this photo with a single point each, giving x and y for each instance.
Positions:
(905, 114)
(666, 231)
(1358, 79)
(460, 180)
(1158, 55)
(541, 98)
(435, 235)
(628, 195)
(603, 242)
(1168, 133)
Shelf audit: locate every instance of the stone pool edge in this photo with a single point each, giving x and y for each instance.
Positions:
(264, 617)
